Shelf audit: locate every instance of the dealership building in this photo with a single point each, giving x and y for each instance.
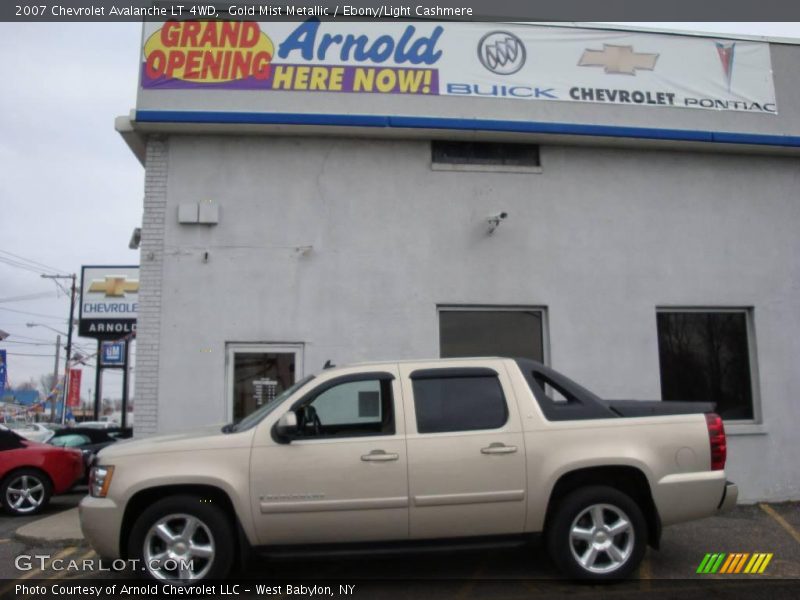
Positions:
(621, 205)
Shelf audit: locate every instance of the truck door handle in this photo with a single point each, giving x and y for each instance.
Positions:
(498, 448)
(379, 456)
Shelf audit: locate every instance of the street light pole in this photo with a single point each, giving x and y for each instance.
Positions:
(69, 351)
(73, 292)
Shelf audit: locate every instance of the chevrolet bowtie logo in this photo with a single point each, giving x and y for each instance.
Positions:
(114, 286)
(618, 59)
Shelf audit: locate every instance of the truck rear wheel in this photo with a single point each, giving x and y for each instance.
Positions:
(181, 538)
(597, 533)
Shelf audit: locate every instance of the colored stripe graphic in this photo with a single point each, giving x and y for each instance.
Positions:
(755, 562)
(711, 563)
(717, 563)
(728, 563)
(767, 558)
(703, 563)
(740, 565)
(734, 563)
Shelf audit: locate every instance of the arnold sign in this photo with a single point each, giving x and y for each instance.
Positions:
(109, 301)
(441, 59)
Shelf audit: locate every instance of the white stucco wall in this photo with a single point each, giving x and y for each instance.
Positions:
(600, 237)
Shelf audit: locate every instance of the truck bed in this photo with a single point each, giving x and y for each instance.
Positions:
(578, 403)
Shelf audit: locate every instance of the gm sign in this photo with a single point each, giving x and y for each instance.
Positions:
(501, 52)
(112, 354)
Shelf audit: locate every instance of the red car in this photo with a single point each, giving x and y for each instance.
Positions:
(31, 472)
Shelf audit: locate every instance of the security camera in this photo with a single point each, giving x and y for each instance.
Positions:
(495, 220)
(136, 238)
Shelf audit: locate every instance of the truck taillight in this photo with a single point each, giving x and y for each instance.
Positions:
(716, 438)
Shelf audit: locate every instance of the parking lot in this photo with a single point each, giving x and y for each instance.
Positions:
(499, 573)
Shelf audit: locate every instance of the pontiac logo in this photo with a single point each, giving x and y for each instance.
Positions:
(725, 51)
(620, 60)
(114, 286)
(501, 52)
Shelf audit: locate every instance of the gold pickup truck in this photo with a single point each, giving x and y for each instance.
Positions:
(408, 453)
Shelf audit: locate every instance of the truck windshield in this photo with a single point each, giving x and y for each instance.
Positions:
(256, 416)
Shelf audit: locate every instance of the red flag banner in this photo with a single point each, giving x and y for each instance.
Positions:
(74, 398)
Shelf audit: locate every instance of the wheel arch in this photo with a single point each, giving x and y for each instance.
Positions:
(147, 496)
(627, 479)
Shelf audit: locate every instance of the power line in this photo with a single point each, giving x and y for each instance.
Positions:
(19, 265)
(28, 338)
(33, 314)
(26, 354)
(28, 297)
(81, 345)
(33, 262)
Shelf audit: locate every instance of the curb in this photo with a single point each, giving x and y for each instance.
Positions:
(59, 528)
(42, 541)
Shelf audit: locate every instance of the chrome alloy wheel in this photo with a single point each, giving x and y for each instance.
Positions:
(179, 546)
(601, 538)
(25, 494)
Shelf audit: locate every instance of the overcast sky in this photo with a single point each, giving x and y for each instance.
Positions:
(70, 190)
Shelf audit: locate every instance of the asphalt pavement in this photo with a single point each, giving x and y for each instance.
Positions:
(499, 574)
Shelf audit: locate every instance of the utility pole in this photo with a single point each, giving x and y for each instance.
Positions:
(72, 295)
(54, 390)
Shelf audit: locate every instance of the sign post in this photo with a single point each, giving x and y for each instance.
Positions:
(98, 384)
(3, 372)
(124, 418)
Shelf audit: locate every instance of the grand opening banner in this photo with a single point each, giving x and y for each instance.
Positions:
(480, 60)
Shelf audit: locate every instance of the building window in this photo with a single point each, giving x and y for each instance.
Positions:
(705, 356)
(444, 404)
(485, 156)
(257, 373)
(492, 331)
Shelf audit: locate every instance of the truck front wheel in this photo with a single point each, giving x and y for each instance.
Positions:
(597, 533)
(183, 538)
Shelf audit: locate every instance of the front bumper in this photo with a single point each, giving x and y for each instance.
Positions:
(101, 523)
(729, 496)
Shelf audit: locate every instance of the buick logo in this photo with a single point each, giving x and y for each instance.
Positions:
(501, 52)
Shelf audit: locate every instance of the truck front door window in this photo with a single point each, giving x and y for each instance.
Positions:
(352, 408)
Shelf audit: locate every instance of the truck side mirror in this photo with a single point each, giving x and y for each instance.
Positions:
(286, 427)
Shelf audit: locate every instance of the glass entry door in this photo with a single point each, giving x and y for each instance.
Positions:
(259, 372)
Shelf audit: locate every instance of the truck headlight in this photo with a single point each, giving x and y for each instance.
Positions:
(100, 480)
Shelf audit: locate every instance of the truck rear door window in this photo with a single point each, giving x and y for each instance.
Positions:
(459, 404)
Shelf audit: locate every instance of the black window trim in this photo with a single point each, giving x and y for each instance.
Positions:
(453, 372)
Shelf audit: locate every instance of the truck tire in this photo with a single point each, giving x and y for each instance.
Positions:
(182, 538)
(25, 492)
(597, 533)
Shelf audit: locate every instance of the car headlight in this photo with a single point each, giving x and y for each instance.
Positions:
(100, 480)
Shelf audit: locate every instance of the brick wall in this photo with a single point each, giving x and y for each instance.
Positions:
(148, 330)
